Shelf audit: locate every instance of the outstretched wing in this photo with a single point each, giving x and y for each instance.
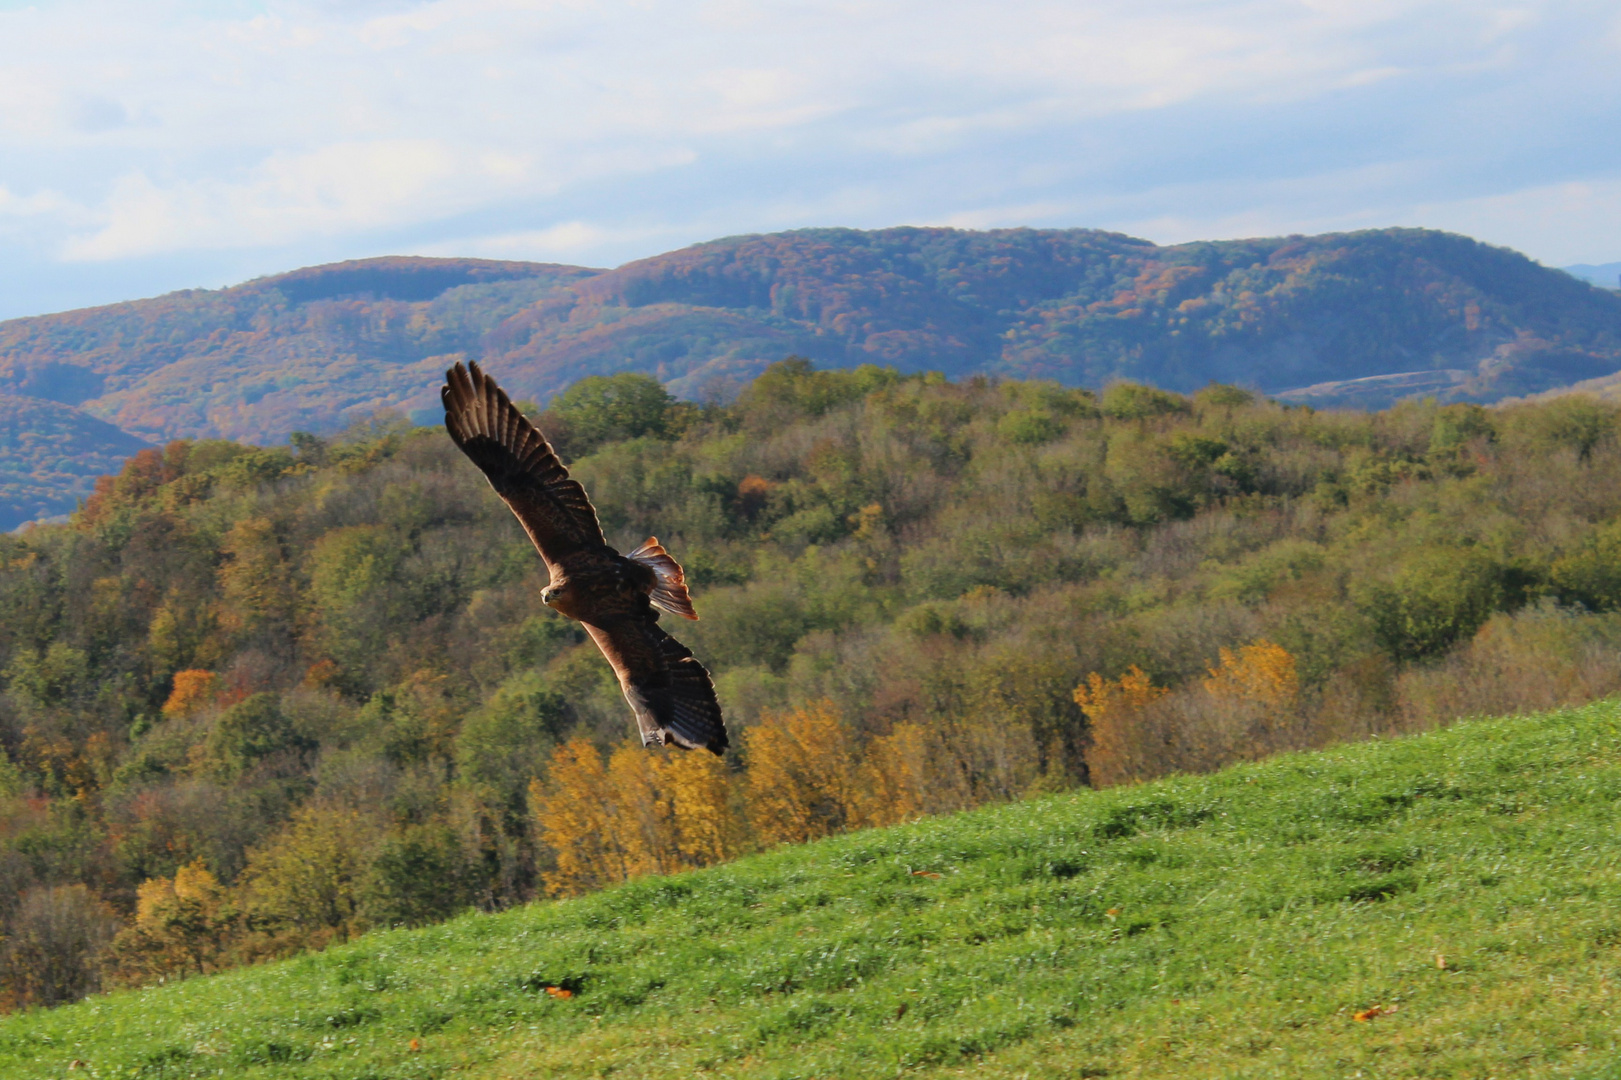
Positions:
(520, 464)
(669, 690)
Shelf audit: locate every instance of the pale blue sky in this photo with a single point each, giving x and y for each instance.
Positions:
(155, 146)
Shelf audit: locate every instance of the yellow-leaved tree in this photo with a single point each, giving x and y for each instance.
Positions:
(574, 814)
(1123, 748)
(184, 925)
(1262, 672)
(706, 825)
(305, 883)
(895, 776)
(1249, 708)
(802, 782)
(642, 812)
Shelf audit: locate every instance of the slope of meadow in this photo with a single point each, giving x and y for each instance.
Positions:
(1441, 906)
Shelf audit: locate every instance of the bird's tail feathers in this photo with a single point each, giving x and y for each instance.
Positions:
(669, 580)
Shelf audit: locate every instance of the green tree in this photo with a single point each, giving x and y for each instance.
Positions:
(504, 745)
(418, 875)
(1591, 576)
(1436, 600)
(1134, 401)
(356, 595)
(248, 732)
(608, 408)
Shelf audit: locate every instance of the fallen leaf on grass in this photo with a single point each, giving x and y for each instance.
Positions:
(1362, 1016)
(416, 1044)
(924, 873)
(559, 993)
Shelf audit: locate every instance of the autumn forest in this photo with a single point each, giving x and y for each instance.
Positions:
(256, 700)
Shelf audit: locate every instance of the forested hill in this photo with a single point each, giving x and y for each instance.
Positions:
(1350, 319)
(256, 700)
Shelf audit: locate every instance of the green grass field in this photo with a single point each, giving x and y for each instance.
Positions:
(1223, 926)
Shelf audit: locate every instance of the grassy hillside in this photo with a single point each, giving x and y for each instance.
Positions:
(1464, 883)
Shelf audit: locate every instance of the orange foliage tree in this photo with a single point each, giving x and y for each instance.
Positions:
(192, 690)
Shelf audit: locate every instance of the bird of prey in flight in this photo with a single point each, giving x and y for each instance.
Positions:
(617, 597)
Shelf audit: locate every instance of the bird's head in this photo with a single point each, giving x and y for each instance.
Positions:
(555, 593)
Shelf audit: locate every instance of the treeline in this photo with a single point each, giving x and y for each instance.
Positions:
(256, 700)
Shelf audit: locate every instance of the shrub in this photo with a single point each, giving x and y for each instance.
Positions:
(55, 941)
(1591, 576)
(1436, 600)
(417, 875)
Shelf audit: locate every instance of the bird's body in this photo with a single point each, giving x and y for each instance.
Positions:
(617, 597)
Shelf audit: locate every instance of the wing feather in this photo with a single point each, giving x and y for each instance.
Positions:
(519, 463)
(668, 689)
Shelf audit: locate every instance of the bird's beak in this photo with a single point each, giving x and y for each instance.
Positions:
(546, 597)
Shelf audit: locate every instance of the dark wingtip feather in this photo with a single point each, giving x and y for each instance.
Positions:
(685, 707)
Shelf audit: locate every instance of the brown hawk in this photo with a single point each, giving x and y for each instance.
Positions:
(617, 597)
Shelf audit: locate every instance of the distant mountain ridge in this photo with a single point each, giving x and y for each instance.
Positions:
(1606, 275)
(1359, 319)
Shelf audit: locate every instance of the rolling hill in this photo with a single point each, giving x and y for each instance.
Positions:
(1438, 906)
(50, 454)
(1359, 319)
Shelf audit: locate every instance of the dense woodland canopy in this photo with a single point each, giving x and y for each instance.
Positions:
(258, 699)
(1416, 311)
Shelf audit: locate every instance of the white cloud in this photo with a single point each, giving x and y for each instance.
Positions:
(346, 186)
(1578, 221)
(172, 130)
(41, 202)
(566, 242)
